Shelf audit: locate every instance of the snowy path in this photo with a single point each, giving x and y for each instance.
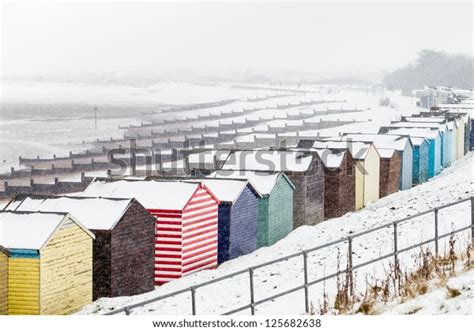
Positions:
(452, 184)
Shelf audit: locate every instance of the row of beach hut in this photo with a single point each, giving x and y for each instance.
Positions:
(123, 237)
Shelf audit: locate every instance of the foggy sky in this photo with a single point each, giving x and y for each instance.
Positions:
(60, 38)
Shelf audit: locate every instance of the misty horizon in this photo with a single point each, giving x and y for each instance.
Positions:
(239, 40)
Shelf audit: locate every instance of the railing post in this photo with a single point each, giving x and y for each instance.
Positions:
(436, 231)
(349, 265)
(127, 311)
(306, 289)
(193, 300)
(252, 294)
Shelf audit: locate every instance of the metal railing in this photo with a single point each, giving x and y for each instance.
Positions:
(304, 254)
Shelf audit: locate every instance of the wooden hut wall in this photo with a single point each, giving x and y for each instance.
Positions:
(359, 184)
(406, 169)
(460, 139)
(186, 240)
(199, 239)
(168, 245)
(420, 163)
(390, 174)
(102, 264)
(434, 156)
(132, 262)
(339, 188)
(308, 202)
(448, 147)
(372, 176)
(24, 282)
(467, 132)
(280, 211)
(66, 271)
(3, 282)
(263, 222)
(243, 224)
(471, 135)
(223, 233)
(444, 149)
(454, 143)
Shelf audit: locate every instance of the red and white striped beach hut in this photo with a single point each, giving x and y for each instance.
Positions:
(186, 222)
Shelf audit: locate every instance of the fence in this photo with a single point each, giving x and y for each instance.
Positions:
(304, 255)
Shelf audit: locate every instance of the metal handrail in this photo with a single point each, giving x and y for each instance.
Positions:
(192, 289)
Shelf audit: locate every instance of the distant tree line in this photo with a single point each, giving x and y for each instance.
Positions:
(433, 68)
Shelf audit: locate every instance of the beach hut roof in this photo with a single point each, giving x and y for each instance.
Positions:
(171, 195)
(431, 125)
(262, 182)
(265, 160)
(226, 190)
(30, 230)
(426, 133)
(331, 158)
(437, 119)
(95, 213)
(417, 141)
(380, 140)
(386, 153)
(359, 150)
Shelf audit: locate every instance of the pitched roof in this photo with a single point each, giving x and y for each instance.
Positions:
(437, 119)
(27, 230)
(95, 213)
(415, 132)
(262, 182)
(358, 150)
(265, 160)
(171, 195)
(226, 190)
(431, 125)
(386, 153)
(330, 158)
(379, 140)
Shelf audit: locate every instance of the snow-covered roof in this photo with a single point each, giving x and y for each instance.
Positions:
(426, 133)
(431, 125)
(264, 160)
(94, 213)
(437, 119)
(417, 141)
(330, 158)
(386, 153)
(380, 140)
(151, 194)
(359, 150)
(226, 190)
(27, 230)
(262, 182)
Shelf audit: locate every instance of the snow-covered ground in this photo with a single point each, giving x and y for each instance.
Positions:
(451, 185)
(438, 300)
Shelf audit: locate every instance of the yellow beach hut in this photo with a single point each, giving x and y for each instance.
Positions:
(46, 262)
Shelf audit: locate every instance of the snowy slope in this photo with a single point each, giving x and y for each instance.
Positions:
(438, 301)
(451, 185)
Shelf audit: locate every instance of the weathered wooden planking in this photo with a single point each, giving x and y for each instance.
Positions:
(3, 283)
(23, 286)
(66, 271)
